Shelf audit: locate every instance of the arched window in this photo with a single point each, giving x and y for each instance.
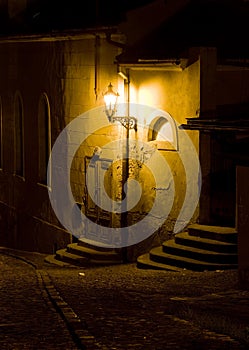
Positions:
(19, 135)
(1, 134)
(44, 138)
(163, 133)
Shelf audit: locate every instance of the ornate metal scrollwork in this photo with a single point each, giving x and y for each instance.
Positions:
(127, 122)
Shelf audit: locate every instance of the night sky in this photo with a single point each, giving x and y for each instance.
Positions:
(47, 15)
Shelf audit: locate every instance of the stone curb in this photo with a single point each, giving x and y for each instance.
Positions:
(8, 252)
(78, 329)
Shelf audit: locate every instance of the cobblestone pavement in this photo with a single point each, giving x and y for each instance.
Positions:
(128, 308)
(27, 318)
(118, 307)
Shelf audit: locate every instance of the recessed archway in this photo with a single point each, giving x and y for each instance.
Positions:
(163, 133)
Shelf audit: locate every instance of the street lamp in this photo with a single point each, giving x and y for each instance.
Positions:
(110, 98)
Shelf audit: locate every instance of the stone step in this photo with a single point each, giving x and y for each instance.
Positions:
(94, 254)
(208, 256)
(218, 233)
(202, 247)
(51, 259)
(102, 247)
(185, 239)
(144, 262)
(157, 255)
(75, 259)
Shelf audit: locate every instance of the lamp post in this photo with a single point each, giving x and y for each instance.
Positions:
(110, 98)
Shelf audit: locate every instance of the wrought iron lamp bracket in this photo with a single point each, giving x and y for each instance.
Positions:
(127, 122)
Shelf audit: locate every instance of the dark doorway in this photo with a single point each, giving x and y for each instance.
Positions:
(223, 180)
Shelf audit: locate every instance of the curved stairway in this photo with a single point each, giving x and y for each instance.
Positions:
(85, 253)
(200, 248)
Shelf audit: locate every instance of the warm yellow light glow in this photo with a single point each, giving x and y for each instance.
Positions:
(150, 93)
(110, 97)
(133, 94)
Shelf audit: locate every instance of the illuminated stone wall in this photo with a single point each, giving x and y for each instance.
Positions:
(65, 72)
(89, 69)
(74, 74)
(177, 93)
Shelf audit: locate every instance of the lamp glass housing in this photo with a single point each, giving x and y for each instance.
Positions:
(110, 98)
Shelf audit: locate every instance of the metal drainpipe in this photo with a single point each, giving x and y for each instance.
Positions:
(96, 65)
(125, 175)
(125, 172)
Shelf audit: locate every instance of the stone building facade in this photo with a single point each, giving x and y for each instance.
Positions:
(46, 84)
(50, 79)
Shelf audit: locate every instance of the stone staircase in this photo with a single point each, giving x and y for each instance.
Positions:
(200, 248)
(85, 254)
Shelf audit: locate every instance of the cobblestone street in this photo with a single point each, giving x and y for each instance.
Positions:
(118, 307)
(127, 308)
(28, 320)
